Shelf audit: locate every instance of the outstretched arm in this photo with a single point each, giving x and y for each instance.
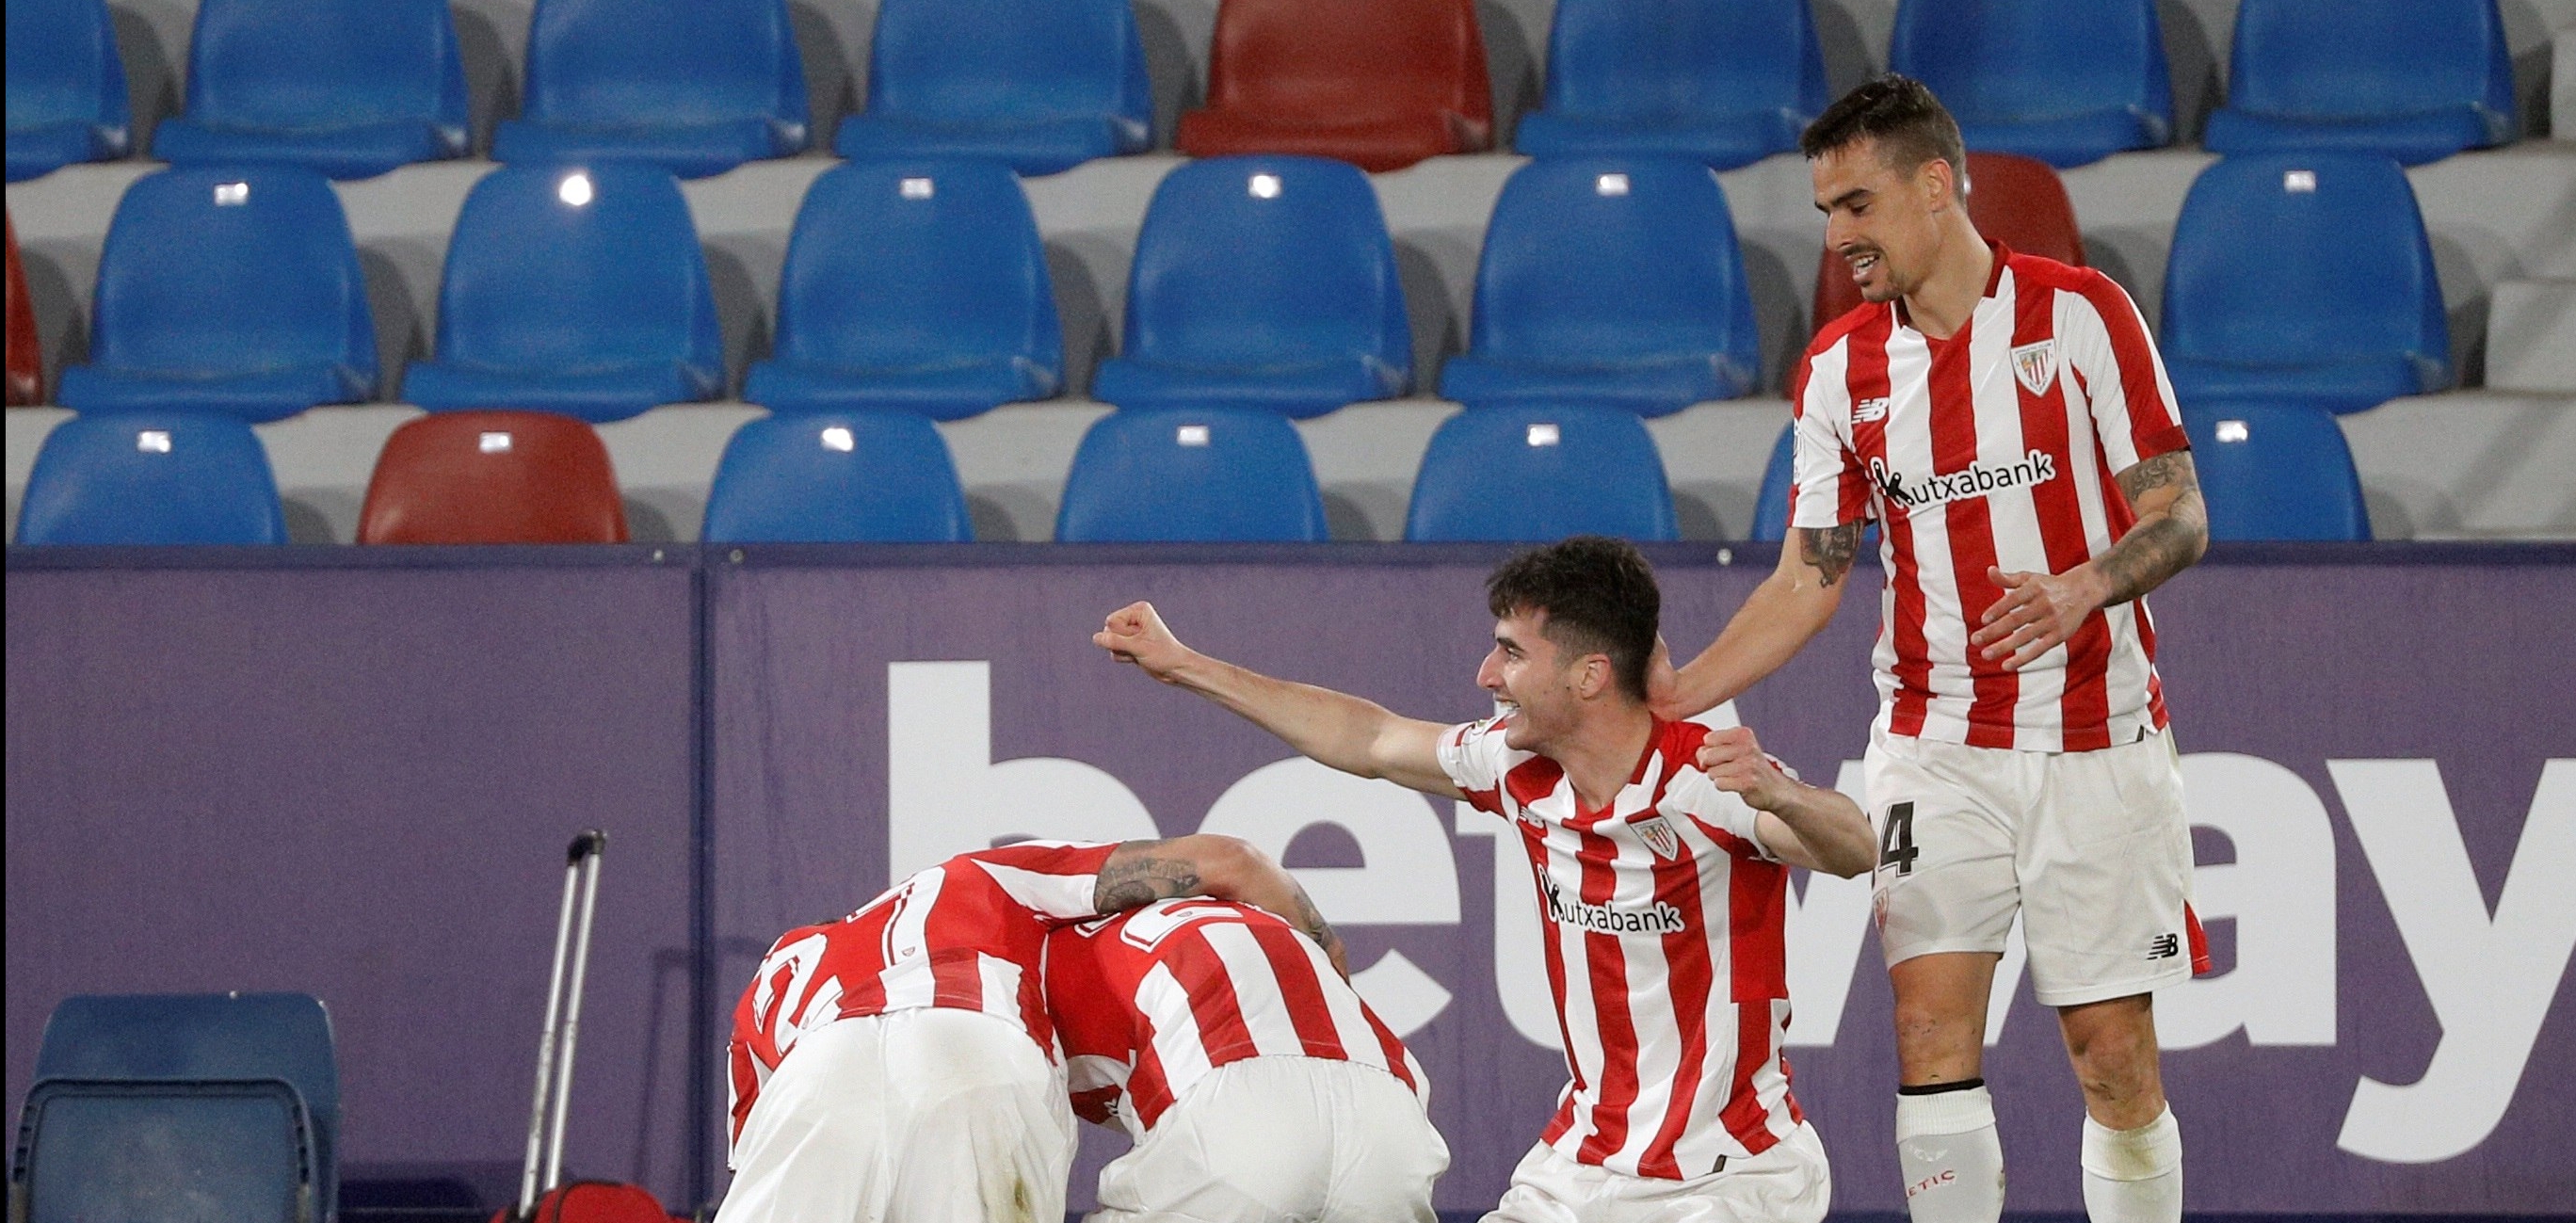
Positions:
(1203, 864)
(1790, 606)
(1333, 728)
(2039, 611)
(1800, 824)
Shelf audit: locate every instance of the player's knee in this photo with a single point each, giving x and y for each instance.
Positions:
(2113, 1061)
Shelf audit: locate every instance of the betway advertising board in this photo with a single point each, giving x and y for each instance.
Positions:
(2380, 763)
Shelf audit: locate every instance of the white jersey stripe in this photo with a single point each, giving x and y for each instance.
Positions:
(1256, 989)
(1166, 1007)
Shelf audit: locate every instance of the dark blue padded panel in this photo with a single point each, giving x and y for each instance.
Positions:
(2064, 83)
(1043, 85)
(1727, 82)
(352, 88)
(1540, 472)
(699, 87)
(913, 284)
(151, 478)
(1610, 279)
(1771, 505)
(1191, 476)
(1264, 282)
(170, 1152)
(578, 290)
(230, 290)
(2416, 81)
(837, 477)
(2307, 277)
(66, 87)
(2275, 471)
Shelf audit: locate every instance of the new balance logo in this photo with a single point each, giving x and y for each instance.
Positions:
(1868, 410)
(1984, 479)
(2164, 946)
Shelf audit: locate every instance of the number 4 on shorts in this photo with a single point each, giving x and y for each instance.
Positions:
(1896, 844)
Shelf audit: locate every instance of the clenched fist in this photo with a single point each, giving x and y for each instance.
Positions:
(1136, 634)
(1735, 761)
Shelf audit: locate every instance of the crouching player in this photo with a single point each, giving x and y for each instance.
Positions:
(1256, 1084)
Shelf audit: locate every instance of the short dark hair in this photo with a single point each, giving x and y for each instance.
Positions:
(1599, 595)
(1900, 113)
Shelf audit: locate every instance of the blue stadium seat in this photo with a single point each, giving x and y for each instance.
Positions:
(1613, 280)
(1185, 475)
(66, 87)
(2275, 471)
(1540, 472)
(1727, 82)
(238, 1152)
(151, 478)
(1771, 505)
(699, 86)
(573, 290)
(837, 477)
(2417, 81)
(1262, 282)
(227, 290)
(2064, 83)
(352, 88)
(2304, 277)
(918, 284)
(1044, 85)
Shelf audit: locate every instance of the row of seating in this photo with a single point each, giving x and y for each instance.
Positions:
(357, 87)
(1265, 282)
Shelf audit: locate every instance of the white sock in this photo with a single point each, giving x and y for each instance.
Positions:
(2133, 1176)
(1952, 1160)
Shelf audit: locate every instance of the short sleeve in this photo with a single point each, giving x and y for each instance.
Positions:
(1726, 818)
(1473, 755)
(1827, 487)
(1058, 879)
(2131, 400)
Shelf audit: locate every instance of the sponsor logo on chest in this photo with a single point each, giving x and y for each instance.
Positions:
(1977, 480)
(1564, 910)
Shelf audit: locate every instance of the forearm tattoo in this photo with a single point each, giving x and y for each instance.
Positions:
(1312, 922)
(2165, 542)
(1141, 880)
(1830, 550)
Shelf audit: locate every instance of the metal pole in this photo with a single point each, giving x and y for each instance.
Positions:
(546, 1042)
(592, 841)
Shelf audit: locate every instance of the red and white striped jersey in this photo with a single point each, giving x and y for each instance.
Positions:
(1149, 1002)
(1664, 919)
(969, 933)
(1995, 447)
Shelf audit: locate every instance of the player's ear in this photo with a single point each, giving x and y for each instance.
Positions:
(1935, 179)
(1598, 676)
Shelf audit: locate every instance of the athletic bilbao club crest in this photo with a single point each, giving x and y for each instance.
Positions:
(2036, 365)
(1659, 837)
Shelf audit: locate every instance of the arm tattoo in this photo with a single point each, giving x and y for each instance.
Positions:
(1306, 918)
(1141, 880)
(1829, 550)
(2163, 543)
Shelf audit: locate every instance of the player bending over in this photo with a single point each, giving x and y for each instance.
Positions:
(899, 1065)
(1664, 884)
(1256, 1084)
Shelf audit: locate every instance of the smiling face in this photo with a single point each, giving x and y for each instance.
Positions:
(1545, 681)
(1886, 222)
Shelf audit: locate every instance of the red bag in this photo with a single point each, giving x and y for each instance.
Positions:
(594, 1202)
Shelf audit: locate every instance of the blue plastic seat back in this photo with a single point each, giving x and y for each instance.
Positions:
(1541, 472)
(2298, 258)
(1008, 60)
(1771, 505)
(1999, 61)
(309, 64)
(564, 269)
(2322, 58)
(1191, 476)
(63, 66)
(169, 1152)
(837, 477)
(2275, 471)
(909, 263)
(1592, 259)
(1265, 260)
(1668, 59)
(151, 478)
(219, 270)
(613, 63)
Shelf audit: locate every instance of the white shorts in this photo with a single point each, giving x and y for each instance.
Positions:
(920, 1116)
(1787, 1184)
(1275, 1139)
(2092, 849)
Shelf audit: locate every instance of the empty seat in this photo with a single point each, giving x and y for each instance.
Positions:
(581, 291)
(1380, 83)
(2014, 200)
(915, 284)
(66, 87)
(2307, 278)
(1043, 85)
(151, 478)
(1264, 282)
(2275, 471)
(26, 352)
(2065, 83)
(837, 477)
(351, 88)
(2416, 81)
(1191, 475)
(1612, 280)
(493, 478)
(1728, 82)
(169, 1152)
(699, 87)
(1541, 472)
(227, 290)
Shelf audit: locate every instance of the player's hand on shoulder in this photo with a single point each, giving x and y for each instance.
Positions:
(1136, 633)
(1735, 762)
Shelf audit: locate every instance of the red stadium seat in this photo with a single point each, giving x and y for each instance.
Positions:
(2014, 200)
(1379, 83)
(493, 478)
(26, 352)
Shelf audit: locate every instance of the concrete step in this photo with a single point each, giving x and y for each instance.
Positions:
(2531, 336)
